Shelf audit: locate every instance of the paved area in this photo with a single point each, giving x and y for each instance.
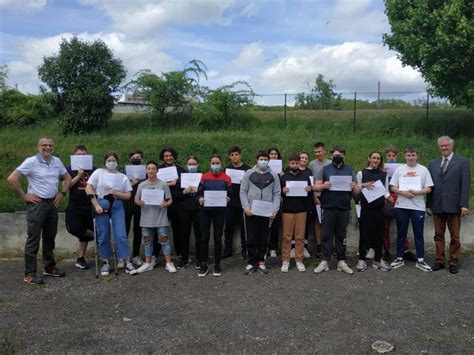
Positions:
(158, 312)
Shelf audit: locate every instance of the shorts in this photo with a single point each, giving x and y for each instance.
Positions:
(152, 231)
(78, 222)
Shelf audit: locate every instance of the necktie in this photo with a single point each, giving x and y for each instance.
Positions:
(445, 164)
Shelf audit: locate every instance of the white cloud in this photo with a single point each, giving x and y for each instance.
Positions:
(250, 10)
(145, 17)
(24, 5)
(251, 55)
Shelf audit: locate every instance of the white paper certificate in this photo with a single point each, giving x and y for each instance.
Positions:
(235, 175)
(391, 167)
(168, 174)
(190, 179)
(109, 181)
(340, 183)
(262, 208)
(215, 198)
(377, 191)
(311, 178)
(83, 162)
(153, 197)
(318, 211)
(296, 188)
(135, 172)
(358, 210)
(409, 183)
(276, 165)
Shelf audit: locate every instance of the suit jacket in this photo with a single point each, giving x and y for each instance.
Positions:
(451, 189)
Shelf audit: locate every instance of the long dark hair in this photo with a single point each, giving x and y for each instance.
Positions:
(380, 167)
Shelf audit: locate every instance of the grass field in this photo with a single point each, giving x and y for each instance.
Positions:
(374, 129)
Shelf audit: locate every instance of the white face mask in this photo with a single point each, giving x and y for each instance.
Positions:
(111, 165)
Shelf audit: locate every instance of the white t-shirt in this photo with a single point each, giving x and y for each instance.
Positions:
(417, 202)
(102, 180)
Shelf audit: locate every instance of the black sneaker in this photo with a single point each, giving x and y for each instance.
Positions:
(181, 264)
(203, 270)
(33, 280)
(53, 271)
(217, 271)
(410, 256)
(81, 264)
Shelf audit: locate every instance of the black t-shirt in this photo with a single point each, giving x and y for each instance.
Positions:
(294, 204)
(77, 193)
(235, 200)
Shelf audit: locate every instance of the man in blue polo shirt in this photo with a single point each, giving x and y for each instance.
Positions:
(335, 205)
(43, 172)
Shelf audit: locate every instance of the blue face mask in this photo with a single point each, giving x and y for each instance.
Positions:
(111, 165)
(216, 168)
(262, 164)
(192, 168)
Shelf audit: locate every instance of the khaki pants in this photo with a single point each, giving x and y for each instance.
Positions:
(293, 224)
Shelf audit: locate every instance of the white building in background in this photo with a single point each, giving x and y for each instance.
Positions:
(130, 104)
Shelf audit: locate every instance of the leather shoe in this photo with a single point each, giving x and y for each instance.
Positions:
(437, 266)
(453, 269)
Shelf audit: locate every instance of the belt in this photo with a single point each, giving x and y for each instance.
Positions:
(47, 200)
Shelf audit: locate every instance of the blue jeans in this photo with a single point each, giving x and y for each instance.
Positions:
(403, 216)
(118, 227)
(150, 233)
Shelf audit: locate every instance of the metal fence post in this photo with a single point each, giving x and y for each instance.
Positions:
(285, 110)
(355, 106)
(427, 106)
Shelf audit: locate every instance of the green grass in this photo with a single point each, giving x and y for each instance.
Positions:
(375, 129)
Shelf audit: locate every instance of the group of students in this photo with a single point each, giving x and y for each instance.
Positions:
(316, 210)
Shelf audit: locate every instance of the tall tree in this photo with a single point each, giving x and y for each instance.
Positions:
(437, 38)
(82, 77)
(322, 96)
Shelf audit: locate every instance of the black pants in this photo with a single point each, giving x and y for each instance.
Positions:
(42, 222)
(190, 219)
(216, 217)
(137, 230)
(275, 232)
(371, 232)
(78, 221)
(334, 226)
(257, 232)
(234, 217)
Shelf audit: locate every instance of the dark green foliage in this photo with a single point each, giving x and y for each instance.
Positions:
(322, 96)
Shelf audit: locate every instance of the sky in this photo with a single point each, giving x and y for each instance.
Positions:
(277, 46)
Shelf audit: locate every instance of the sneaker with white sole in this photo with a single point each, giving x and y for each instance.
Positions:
(120, 264)
(306, 253)
(300, 266)
(203, 270)
(361, 266)
(130, 269)
(273, 253)
(323, 266)
(398, 262)
(170, 267)
(136, 260)
(249, 269)
(105, 271)
(216, 272)
(381, 265)
(423, 266)
(262, 268)
(81, 264)
(292, 253)
(285, 265)
(145, 267)
(370, 254)
(154, 261)
(342, 266)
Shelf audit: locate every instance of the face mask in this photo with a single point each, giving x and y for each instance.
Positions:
(216, 168)
(262, 164)
(111, 165)
(136, 161)
(338, 159)
(294, 170)
(392, 161)
(192, 168)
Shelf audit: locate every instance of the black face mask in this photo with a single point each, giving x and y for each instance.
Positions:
(338, 159)
(294, 171)
(136, 161)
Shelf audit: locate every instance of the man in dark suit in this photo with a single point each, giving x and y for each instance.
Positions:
(448, 200)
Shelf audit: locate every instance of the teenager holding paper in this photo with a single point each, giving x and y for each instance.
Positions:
(294, 211)
(107, 189)
(189, 216)
(259, 184)
(234, 213)
(371, 215)
(274, 154)
(310, 207)
(153, 218)
(411, 182)
(213, 181)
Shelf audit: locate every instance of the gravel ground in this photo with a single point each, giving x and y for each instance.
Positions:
(158, 312)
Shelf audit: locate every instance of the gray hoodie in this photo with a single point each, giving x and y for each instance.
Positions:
(263, 186)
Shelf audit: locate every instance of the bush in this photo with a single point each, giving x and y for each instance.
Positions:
(17, 109)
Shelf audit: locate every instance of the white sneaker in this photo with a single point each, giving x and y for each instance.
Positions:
(306, 253)
(145, 267)
(361, 266)
(423, 266)
(130, 269)
(285, 265)
(292, 253)
(137, 261)
(120, 264)
(105, 271)
(370, 254)
(273, 253)
(342, 266)
(323, 266)
(300, 266)
(170, 267)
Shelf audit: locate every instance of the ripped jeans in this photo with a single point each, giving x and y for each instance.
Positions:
(163, 234)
